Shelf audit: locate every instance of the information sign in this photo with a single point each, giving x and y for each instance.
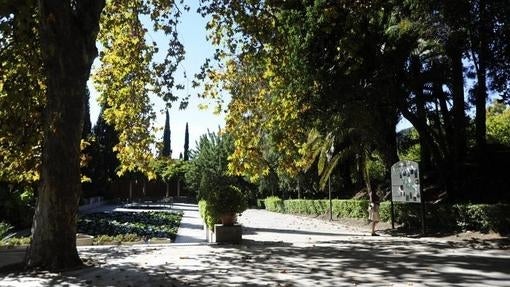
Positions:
(405, 182)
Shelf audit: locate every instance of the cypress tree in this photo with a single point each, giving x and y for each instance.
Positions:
(186, 144)
(104, 159)
(167, 150)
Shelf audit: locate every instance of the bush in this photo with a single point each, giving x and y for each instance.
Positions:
(4, 229)
(116, 239)
(207, 214)
(476, 217)
(17, 205)
(15, 241)
(143, 224)
(275, 204)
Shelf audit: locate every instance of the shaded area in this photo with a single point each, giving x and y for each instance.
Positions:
(357, 260)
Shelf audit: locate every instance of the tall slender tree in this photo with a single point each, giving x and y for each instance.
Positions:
(167, 147)
(186, 143)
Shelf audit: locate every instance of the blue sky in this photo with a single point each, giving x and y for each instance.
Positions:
(192, 34)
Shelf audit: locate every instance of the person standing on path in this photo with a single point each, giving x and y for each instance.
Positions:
(373, 211)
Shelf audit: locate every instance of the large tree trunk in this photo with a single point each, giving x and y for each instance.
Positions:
(68, 33)
(459, 114)
(481, 86)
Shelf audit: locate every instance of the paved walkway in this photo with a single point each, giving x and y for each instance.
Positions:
(284, 250)
(191, 228)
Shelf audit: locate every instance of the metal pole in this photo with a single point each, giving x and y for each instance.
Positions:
(330, 202)
(422, 199)
(392, 212)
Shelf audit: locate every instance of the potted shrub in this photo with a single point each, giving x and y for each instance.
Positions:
(228, 203)
(223, 200)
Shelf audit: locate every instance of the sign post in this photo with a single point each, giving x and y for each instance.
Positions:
(406, 185)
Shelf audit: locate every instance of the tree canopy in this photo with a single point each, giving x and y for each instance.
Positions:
(308, 75)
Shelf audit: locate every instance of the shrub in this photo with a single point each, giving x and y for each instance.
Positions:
(144, 224)
(17, 205)
(116, 239)
(477, 217)
(4, 229)
(274, 203)
(15, 241)
(207, 214)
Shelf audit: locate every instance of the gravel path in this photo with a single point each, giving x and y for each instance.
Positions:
(286, 250)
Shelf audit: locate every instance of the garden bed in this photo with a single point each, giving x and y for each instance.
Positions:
(122, 228)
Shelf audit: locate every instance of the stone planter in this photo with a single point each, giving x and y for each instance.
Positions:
(84, 239)
(228, 233)
(159, 241)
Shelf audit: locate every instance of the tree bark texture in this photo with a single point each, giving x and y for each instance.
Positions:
(68, 33)
(481, 89)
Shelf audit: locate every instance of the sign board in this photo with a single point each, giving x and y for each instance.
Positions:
(405, 181)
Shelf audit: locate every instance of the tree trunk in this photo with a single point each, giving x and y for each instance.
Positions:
(68, 33)
(420, 110)
(459, 115)
(481, 86)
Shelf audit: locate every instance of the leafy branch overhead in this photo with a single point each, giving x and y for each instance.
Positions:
(129, 74)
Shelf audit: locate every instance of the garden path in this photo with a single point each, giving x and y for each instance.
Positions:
(191, 228)
(286, 250)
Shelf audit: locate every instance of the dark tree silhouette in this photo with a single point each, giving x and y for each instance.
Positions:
(167, 148)
(186, 144)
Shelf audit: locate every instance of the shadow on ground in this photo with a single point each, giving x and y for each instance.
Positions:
(355, 260)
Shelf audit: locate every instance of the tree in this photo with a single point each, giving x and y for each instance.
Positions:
(186, 144)
(22, 93)
(104, 162)
(67, 43)
(167, 148)
(498, 124)
(62, 53)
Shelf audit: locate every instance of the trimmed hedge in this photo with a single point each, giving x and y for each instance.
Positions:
(477, 217)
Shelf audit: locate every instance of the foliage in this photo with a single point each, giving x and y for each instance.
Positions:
(208, 173)
(207, 215)
(104, 163)
(209, 158)
(186, 143)
(59, 39)
(22, 95)
(345, 72)
(15, 241)
(274, 203)
(117, 239)
(129, 74)
(170, 169)
(17, 204)
(408, 145)
(143, 224)
(167, 146)
(456, 217)
(498, 124)
(4, 229)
